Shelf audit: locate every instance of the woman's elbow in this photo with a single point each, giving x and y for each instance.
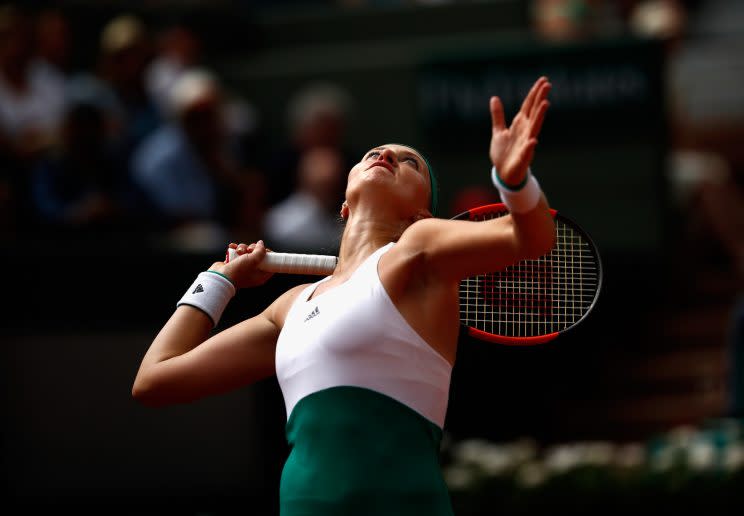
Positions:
(144, 392)
(141, 393)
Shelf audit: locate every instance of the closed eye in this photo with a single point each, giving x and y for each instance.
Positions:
(413, 160)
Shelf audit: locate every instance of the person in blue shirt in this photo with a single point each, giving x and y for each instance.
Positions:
(185, 168)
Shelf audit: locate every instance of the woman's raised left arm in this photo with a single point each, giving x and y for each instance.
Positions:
(458, 249)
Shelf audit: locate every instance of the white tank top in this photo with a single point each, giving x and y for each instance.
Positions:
(353, 335)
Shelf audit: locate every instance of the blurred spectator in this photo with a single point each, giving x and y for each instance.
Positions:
(31, 105)
(31, 99)
(704, 71)
(113, 100)
(664, 19)
(317, 117)
(706, 192)
(562, 19)
(124, 55)
(189, 174)
(568, 20)
(706, 115)
(706, 189)
(80, 186)
(179, 49)
(308, 220)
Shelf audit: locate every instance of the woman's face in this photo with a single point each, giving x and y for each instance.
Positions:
(393, 174)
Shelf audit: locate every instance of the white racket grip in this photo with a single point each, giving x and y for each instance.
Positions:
(290, 263)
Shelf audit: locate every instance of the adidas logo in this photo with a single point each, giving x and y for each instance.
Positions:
(198, 289)
(312, 314)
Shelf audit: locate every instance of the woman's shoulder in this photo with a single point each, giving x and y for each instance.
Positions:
(417, 238)
(278, 310)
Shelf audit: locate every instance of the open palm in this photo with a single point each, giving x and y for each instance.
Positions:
(512, 147)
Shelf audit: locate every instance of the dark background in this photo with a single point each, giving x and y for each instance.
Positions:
(79, 313)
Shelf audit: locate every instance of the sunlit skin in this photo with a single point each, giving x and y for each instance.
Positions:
(387, 199)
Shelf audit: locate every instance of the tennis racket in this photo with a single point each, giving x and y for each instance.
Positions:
(530, 302)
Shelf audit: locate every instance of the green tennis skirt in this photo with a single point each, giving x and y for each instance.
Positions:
(358, 452)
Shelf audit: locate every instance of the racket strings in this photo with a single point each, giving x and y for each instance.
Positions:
(534, 297)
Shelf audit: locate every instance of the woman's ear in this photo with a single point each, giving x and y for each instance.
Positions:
(344, 211)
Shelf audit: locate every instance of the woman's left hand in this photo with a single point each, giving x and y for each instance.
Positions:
(512, 147)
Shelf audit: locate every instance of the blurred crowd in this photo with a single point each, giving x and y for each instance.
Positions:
(146, 142)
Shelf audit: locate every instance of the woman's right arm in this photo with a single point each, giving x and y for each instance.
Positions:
(183, 364)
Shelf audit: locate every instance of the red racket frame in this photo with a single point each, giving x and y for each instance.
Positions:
(474, 214)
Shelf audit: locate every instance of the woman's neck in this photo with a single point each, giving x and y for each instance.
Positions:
(361, 238)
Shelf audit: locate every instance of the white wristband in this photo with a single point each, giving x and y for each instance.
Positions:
(522, 199)
(210, 293)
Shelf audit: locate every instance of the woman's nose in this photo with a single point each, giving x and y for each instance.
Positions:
(389, 156)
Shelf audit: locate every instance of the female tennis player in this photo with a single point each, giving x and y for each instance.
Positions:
(363, 356)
